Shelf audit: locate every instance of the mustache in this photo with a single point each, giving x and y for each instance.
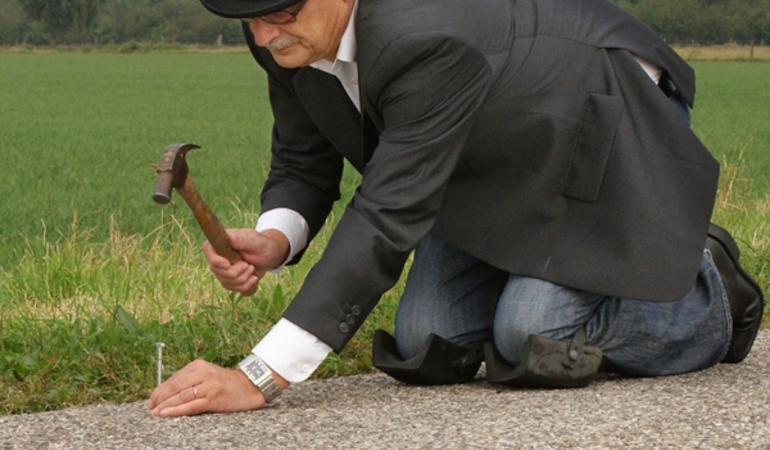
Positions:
(281, 43)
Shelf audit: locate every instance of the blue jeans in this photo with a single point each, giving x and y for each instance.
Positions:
(468, 302)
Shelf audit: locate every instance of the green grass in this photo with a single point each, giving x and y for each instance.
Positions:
(81, 318)
(732, 117)
(92, 273)
(81, 133)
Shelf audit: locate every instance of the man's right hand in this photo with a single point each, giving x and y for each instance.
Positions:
(260, 252)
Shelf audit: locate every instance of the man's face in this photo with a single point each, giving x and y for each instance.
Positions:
(315, 34)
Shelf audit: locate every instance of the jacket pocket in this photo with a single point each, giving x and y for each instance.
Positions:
(593, 144)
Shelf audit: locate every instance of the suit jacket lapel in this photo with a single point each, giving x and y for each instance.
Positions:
(337, 118)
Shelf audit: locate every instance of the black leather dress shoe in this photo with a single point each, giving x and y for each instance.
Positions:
(745, 296)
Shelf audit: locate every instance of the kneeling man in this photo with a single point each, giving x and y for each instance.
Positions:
(535, 155)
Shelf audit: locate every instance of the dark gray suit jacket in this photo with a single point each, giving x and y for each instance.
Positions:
(523, 132)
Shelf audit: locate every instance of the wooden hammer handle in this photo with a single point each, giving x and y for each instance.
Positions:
(208, 221)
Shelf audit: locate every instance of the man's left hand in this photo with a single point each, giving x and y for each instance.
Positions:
(202, 387)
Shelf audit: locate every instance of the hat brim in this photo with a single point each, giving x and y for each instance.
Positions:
(244, 9)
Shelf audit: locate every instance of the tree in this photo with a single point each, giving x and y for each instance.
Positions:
(85, 12)
(12, 24)
(56, 16)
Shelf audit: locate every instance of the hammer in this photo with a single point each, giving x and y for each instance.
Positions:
(173, 172)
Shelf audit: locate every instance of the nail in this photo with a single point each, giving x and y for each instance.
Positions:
(159, 367)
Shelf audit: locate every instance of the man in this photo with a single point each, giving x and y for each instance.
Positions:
(535, 154)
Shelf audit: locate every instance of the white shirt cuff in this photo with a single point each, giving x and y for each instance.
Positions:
(291, 224)
(291, 352)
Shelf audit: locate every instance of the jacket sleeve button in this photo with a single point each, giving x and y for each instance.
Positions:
(356, 310)
(344, 328)
(350, 319)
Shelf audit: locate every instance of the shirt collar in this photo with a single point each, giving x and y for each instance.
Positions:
(346, 53)
(348, 43)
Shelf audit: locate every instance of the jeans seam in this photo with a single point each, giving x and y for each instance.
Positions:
(725, 304)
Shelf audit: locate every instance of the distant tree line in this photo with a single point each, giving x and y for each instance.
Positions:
(97, 22)
(705, 22)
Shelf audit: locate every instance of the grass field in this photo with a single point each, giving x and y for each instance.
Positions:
(92, 273)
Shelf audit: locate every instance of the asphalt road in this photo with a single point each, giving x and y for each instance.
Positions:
(723, 407)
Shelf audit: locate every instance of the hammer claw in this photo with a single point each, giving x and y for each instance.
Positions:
(173, 173)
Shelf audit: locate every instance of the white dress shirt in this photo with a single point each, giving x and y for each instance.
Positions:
(288, 349)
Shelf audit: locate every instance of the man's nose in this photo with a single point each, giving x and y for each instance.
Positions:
(263, 32)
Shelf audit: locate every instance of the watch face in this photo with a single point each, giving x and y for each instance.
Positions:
(256, 369)
(259, 374)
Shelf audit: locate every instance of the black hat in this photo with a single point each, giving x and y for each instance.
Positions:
(237, 9)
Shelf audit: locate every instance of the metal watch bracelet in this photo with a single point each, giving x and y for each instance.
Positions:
(260, 375)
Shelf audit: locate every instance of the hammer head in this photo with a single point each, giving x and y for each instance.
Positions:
(172, 171)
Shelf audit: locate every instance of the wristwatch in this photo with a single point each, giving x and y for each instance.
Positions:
(257, 371)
